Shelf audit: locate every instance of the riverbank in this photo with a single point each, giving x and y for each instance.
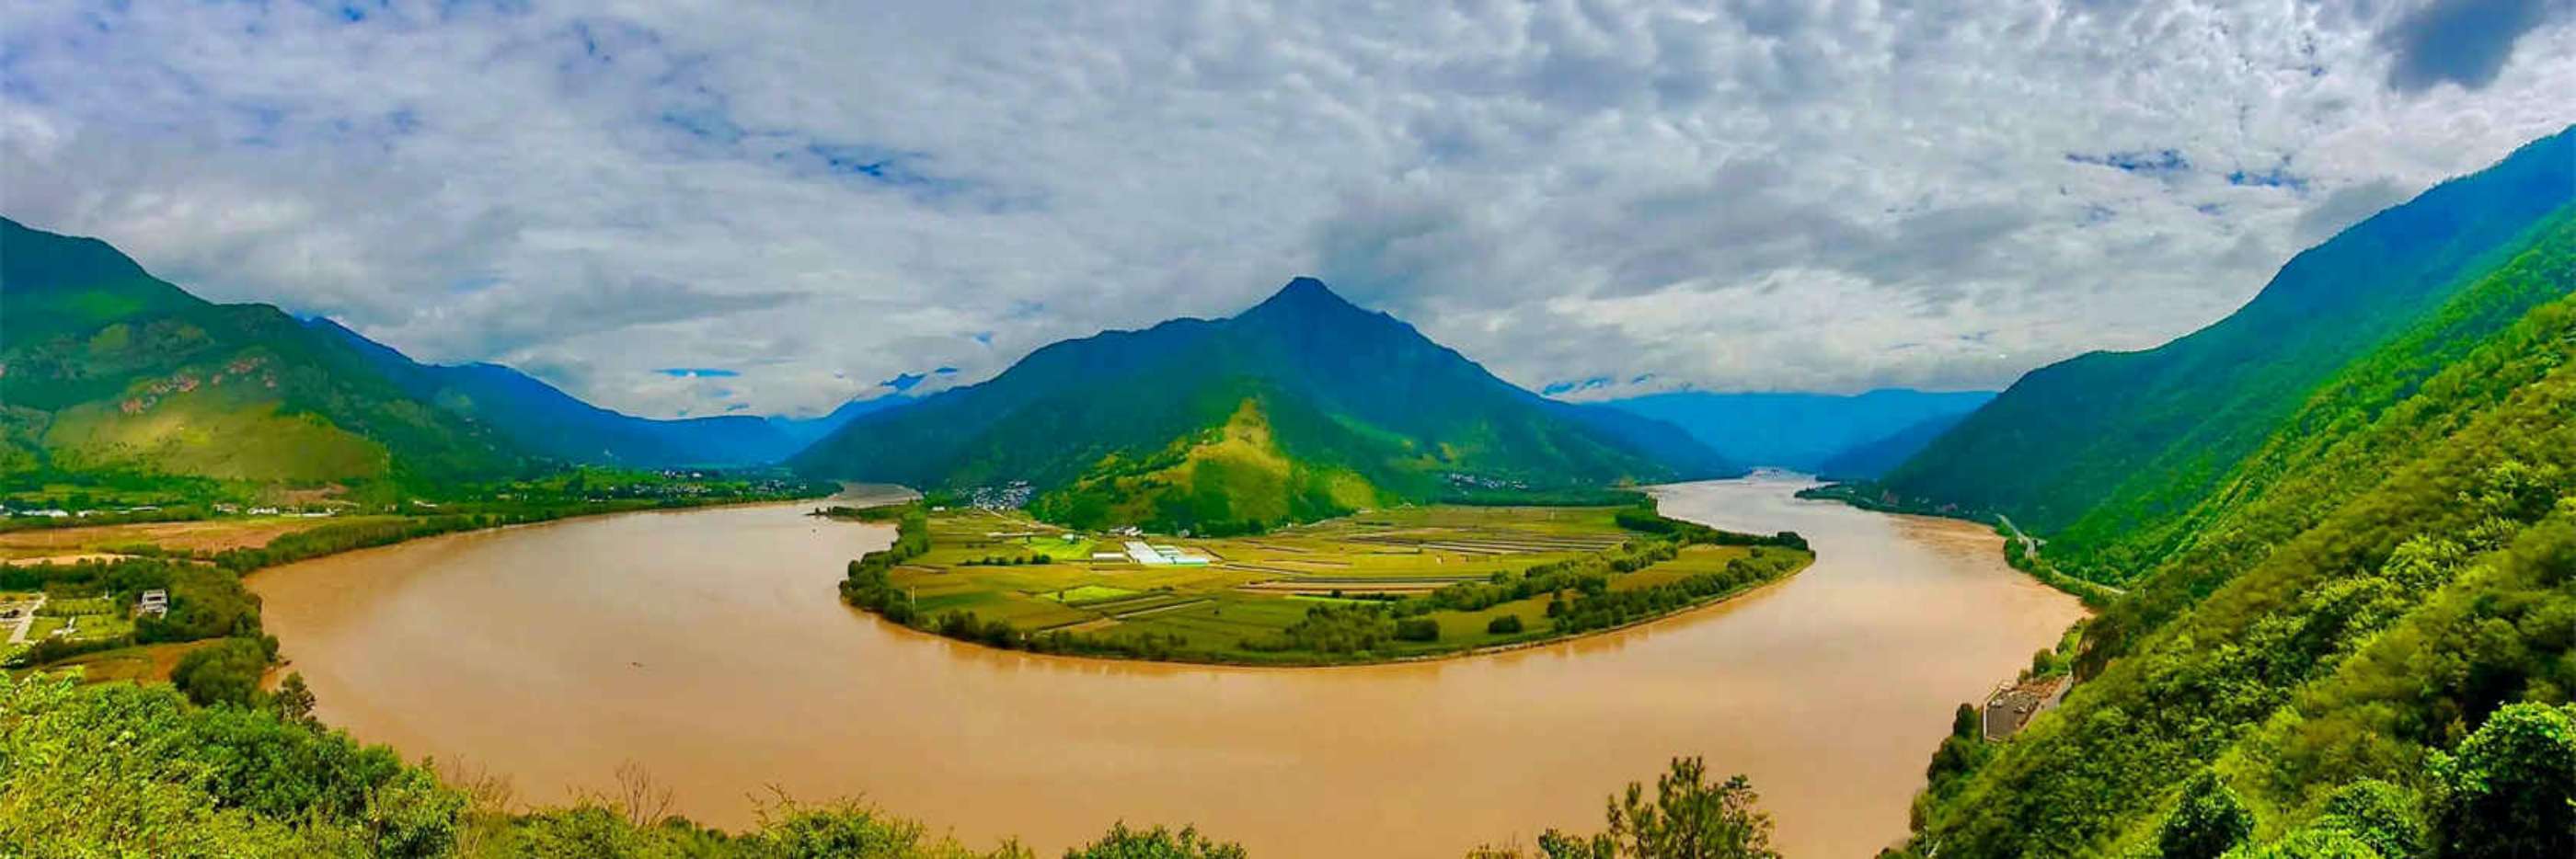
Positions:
(2021, 551)
(1388, 586)
(144, 553)
(1827, 688)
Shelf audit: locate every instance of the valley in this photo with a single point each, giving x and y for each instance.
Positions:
(2267, 550)
(703, 647)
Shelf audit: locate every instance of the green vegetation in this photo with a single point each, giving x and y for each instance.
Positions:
(125, 399)
(1688, 818)
(1391, 584)
(112, 374)
(1301, 409)
(2112, 444)
(199, 564)
(2360, 639)
(121, 769)
(116, 769)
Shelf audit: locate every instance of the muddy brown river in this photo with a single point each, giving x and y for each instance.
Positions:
(709, 648)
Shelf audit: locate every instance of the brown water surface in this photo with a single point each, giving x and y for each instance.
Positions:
(709, 647)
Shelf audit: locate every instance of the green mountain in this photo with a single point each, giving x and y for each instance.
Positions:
(2107, 445)
(545, 421)
(105, 369)
(1805, 432)
(2359, 637)
(1874, 458)
(1302, 407)
(110, 374)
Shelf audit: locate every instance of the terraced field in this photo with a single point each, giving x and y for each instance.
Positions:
(1041, 579)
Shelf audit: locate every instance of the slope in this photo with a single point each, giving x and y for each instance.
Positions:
(1872, 459)
(106, 369)
(2393, 568)
(2104, 443)
(1350, 399)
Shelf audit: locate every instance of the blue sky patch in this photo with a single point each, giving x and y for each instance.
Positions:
(2156, 162)
(1555, 388)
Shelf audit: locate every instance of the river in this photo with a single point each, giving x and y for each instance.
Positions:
(709, 648)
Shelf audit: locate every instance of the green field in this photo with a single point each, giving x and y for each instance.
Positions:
(1005, 578)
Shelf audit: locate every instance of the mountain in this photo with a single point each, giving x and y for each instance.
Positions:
(1801, 432)
(1872, 459)
(547, 422)
(1301, 407)
(2112, 444)
(2361, 636)
(105, 369)
(108, 373)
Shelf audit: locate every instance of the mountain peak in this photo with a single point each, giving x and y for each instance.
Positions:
(1309, 292)
(1304, 298)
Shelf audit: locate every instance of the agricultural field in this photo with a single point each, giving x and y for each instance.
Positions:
(186, 537)
(1236, 599)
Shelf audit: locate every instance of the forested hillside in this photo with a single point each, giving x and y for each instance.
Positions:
(107, 370)
(112, 379)
(2107, 444)
(1301, 407)
(2362, 637)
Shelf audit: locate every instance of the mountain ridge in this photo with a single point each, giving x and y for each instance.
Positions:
(1342, 392)
(2112, 442)
(1806, 431)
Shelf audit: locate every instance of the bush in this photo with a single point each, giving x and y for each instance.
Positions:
(226, 672)
(1156, 843)
(2510, 790)
(2209, 822)
(1417, 629)
(1509, 624)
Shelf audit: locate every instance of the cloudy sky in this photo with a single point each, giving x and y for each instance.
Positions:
(805, 200)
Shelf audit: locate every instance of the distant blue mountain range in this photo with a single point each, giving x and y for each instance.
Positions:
(544, 420)
(1854, 436)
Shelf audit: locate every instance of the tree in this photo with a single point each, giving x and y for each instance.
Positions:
(2510, 788)
(294, 700)
(1509, 624)
(1156, 843)
(2209, 821)
(1689, 818)
(226, 672)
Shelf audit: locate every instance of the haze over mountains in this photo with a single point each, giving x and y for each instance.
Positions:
(1855, 436)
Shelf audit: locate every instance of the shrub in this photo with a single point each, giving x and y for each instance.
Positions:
(1509, 624)
(226, 672)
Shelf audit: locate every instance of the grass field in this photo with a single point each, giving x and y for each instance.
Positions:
(1041, 579)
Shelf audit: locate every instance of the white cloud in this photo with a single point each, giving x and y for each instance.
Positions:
(1776, 194)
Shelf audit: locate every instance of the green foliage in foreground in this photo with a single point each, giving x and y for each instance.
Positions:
(1689, 817)
(2386, 589)
(122, 770)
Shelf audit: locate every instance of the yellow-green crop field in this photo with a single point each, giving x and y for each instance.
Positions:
(1041, 578)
